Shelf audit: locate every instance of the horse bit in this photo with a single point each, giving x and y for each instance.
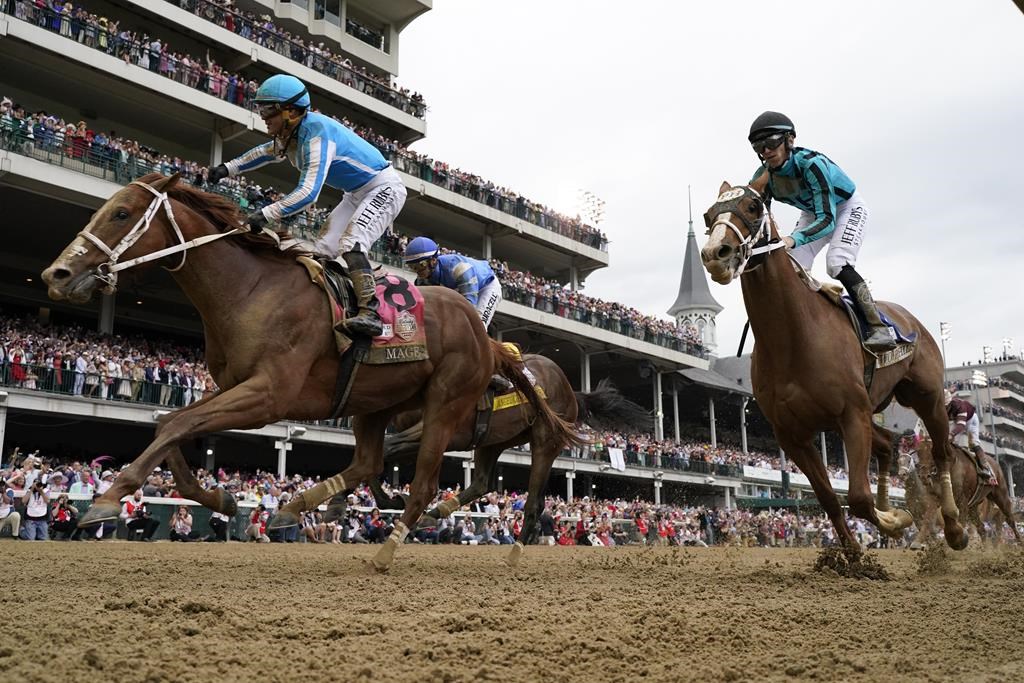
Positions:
(747, 247)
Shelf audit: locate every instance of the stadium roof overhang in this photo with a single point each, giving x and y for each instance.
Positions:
(712, 380)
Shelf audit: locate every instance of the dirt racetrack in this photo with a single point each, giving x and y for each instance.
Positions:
(127, 612)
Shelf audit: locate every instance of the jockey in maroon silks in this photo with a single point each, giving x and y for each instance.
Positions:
(965, 420)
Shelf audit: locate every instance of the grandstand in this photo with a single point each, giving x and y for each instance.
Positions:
(115, 90)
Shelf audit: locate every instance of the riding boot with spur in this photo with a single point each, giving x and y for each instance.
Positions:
(879, 338)
(501, 384)
(366, 321)
(985, 472)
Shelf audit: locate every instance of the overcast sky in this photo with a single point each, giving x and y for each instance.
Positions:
(921, 103)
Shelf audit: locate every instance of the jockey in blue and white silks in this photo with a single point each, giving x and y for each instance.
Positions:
(831, 211)
(472, 278)
(326, 153)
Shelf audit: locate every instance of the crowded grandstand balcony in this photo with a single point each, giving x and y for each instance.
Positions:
(244, 54)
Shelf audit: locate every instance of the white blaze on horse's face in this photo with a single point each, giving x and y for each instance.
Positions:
(720, 254)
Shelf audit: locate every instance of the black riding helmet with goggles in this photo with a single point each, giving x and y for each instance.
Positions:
(769, 130)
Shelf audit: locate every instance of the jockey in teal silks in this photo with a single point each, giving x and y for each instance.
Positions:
(326, 153)
(832, 212)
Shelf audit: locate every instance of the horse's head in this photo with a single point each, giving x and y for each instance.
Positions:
(739, 227)
(120, 228)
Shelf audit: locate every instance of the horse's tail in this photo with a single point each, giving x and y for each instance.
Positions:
(510, 365)
(607, 409)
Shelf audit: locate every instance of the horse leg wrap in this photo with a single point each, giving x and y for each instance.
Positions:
(386, 555)
(882, 496)
(448, 507)
(515, 555)
(949, 508)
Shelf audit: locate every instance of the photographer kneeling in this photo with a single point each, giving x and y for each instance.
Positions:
(136, 517)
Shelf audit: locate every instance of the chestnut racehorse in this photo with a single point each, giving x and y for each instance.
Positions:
(270, 345)
(807, 367)
(604, 408)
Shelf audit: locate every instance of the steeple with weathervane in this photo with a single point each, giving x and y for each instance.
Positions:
(695, 306)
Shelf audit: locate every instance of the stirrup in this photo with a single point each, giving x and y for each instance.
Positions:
(501, 384)
(880, 339)
(365, 324)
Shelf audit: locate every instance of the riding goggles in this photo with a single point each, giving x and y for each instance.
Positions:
(770, 142)
(266, 111)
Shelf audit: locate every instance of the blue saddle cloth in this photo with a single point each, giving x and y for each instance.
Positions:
(863, 328)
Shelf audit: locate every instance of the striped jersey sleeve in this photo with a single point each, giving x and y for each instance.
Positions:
(823, 201)
(261, 155)
(315, 160)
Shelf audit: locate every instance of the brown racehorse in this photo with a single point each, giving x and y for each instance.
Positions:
(922, 494)
(270, 345)
(604, 408)
(807, 365)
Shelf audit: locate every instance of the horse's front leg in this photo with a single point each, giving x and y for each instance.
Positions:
(856, 429)
(252, 404)
(881, 448)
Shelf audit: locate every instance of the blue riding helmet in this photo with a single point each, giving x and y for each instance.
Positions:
(284, 91)
(420, 249)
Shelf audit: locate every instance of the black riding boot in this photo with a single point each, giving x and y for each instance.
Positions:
(366, 321)
(880, 338)
(984, 470)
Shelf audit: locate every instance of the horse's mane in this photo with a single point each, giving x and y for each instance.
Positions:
(220, 211)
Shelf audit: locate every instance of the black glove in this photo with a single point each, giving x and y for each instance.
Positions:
(256, 221)
(216, 174)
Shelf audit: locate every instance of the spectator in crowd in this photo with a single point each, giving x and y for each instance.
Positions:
(219, 526)
(9, 517)
(137, 518)
(37, 510)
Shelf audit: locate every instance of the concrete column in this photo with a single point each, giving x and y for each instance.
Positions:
(486, 246)
(728, 498)
(569, 476)
(743, 425)
(657, 491)
(499, 335)
(675, 411)
(1007, 467)
(782, 459)
(467, 473)
(282, 446)
(711, 418)
(106, 322)
(216, 149)
(585, 372)
(659, 413)
(846, 461)
(394, 477)
(824, 450)
(574, 277)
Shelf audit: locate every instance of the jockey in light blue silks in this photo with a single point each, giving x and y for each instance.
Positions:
(326, 153)
(472, 278)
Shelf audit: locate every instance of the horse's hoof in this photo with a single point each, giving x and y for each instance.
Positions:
(283, 520)
(228, 504)
(99, 512)
(957, 540)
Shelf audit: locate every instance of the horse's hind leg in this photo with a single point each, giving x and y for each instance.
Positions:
(543, 451)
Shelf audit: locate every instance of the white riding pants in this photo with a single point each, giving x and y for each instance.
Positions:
(972, 435)
(487, 302)
(843, 244)
(363, 215)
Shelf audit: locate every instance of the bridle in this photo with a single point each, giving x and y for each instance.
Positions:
(757, 241)
(107, 271)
